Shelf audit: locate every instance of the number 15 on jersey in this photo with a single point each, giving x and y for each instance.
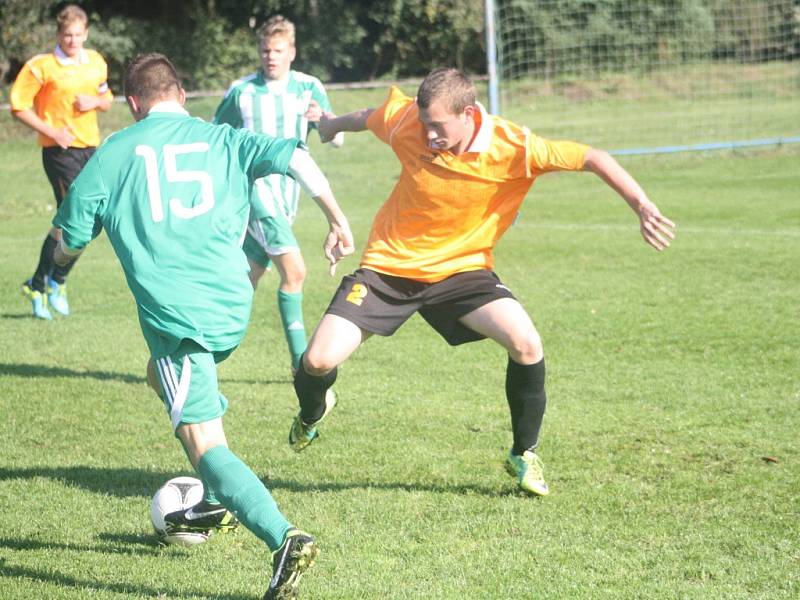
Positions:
(174, 175)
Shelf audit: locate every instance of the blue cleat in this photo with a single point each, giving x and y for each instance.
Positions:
(57, 296)
(38, 302)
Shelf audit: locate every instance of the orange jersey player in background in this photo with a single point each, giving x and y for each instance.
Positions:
(464, 176)
(58, 95)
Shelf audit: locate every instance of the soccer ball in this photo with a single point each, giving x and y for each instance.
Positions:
(178, 493)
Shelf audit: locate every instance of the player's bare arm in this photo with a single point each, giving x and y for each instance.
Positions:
(329, 126)
(339, 241)
(63, 137)
(657, 230)
(86, 102)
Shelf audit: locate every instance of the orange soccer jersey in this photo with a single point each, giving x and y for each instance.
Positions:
(447, 211)
(48, 84)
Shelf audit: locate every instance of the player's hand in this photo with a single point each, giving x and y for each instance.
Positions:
(338, 244)
(84, 102)
(326, 129)
(314, 111)
(63, 137)
(657, 230)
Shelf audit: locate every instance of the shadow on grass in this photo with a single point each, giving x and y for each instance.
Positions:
(117, 544)
(124, 482)
(119, 482)
(282, 382)
(25, 315)
(465, 489)
(27, 574)
(28, 370)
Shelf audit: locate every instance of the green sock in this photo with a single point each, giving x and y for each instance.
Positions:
(243, 494)
(291, 308)
(208, 493)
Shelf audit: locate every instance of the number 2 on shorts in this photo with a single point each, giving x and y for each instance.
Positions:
(357, 294)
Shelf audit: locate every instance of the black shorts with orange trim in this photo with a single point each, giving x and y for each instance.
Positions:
(62, 166)
(381, 303)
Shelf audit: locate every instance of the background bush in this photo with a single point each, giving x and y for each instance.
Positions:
(213, 42)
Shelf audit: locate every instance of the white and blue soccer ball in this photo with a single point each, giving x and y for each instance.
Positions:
(179, 493)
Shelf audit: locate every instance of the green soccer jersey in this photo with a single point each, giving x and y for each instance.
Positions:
(274, 107)
(171, 191)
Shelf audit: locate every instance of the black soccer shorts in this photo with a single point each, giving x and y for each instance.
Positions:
(381, 303)
(62, 166)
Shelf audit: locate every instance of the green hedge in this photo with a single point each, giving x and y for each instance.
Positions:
(212, 41)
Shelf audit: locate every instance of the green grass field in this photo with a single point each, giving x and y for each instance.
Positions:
(682, 105)
(670, 442)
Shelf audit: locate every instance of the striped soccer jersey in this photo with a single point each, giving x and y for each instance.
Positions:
(171, 192)
(274, 107)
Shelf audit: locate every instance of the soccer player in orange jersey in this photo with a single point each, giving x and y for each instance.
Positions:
(58, 95)
(464, 176)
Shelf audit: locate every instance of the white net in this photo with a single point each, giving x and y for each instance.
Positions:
(639, 75)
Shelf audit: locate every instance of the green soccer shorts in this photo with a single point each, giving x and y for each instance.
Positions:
(189, 385)
(267, 237)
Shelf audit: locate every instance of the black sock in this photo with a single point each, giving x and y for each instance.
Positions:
(46, 264)
(60, 273)
(310, 392)
(527, 400)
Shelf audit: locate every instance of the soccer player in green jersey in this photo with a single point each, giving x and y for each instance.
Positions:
(171, 193)
(278, 101)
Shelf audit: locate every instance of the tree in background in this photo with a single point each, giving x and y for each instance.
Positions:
(358, 40)
(346, 40)
(27, 27)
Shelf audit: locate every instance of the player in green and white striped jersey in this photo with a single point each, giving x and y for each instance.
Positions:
(281, 102)
(171, 192)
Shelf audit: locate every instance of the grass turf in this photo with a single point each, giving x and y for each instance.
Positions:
(670, 441)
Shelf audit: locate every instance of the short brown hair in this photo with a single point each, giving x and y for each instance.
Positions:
(150, 77)
(70, 14)
(450, 86)
(276, 26)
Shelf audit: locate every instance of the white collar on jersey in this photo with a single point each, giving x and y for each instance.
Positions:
(483, 138)
(65, 60)
(167, 106)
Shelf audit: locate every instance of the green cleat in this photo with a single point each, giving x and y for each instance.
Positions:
(38, 302)
(289, 562)
(57, 296)
(529, 471)
(302, 434)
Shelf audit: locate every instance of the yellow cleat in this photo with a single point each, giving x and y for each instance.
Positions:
(529, 471)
